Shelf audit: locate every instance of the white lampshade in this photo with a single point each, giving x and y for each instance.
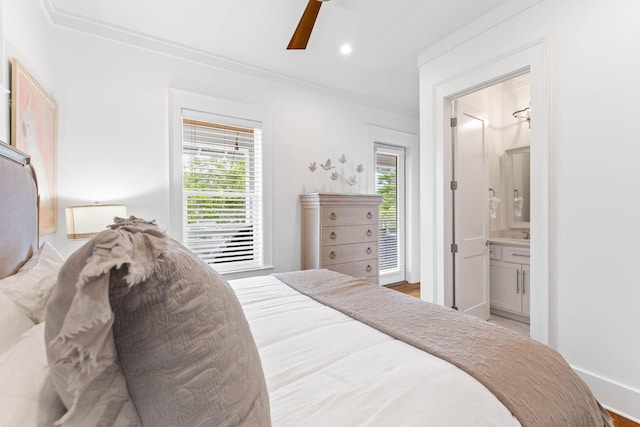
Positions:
(84, 222)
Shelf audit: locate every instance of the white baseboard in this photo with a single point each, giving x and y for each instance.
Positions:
(615, 397)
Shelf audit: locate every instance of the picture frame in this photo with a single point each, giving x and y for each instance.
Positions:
(34, 129)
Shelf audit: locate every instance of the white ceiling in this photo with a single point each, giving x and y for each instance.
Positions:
(386, 36)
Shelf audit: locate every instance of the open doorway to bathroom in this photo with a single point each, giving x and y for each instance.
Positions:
(489, 203)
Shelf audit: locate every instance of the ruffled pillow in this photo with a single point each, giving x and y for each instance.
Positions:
(27, 395)
(31, 286)
(13, 323)
(139, 331)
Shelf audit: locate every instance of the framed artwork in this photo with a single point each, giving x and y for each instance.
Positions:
(34, 128)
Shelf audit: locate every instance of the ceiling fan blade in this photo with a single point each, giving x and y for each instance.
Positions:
(305, 26)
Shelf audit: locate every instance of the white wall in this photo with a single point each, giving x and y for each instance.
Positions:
(593, 158)
(113, 138)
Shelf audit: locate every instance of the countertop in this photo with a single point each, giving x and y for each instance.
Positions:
(509, 241)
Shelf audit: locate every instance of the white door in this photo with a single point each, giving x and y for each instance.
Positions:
(471, 212)
(390, 184)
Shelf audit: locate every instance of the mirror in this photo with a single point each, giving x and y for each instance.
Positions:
(518, 177)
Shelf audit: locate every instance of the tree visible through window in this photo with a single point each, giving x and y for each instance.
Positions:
(222, 194)
(386, 186)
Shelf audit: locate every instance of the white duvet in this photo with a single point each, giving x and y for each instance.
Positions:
(325, 369)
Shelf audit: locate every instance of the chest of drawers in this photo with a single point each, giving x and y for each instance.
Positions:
(340, 233)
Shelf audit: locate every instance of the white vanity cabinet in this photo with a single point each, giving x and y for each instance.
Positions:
(340, 233)
(509, 280)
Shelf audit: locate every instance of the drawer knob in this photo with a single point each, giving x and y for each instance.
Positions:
(332, 255)
(368, 250)
(369, 233)
(368, 268)
(333, 235)
(369, 215)
(333, 215)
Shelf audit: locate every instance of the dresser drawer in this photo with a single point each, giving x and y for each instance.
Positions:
(349, 234)
(332, 216)
(515, 254)
(337, 254)
(357, 269)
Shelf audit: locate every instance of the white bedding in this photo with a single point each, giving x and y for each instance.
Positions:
(325, 369)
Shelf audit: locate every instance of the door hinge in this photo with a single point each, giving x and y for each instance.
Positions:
(454, 185)
(454, 122)
(454, 248)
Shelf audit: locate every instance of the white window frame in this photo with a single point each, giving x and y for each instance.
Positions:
(235, 112)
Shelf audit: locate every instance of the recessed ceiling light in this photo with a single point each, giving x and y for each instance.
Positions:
(345, 49)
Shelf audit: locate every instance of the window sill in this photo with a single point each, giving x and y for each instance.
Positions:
(252, 272)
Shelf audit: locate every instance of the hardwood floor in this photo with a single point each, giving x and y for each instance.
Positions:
(413, 289)
(620, 421)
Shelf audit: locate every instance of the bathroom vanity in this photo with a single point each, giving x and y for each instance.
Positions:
(509, 278)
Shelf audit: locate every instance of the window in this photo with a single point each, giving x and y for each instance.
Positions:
(389, 177)
(218, 197)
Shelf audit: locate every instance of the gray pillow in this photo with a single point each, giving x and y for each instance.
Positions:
(139, 331)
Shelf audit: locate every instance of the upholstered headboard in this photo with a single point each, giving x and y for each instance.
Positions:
(18, 210)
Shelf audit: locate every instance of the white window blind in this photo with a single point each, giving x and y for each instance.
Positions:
(222, 192)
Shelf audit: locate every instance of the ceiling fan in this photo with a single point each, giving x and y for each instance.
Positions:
(305, 26)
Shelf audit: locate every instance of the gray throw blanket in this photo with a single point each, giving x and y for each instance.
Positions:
(532, 380)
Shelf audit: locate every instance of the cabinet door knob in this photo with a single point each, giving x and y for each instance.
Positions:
(368, 268)
(333, 215)
(369, 233)
(333, 235)
(368, 250)
(369, 215)
(332, 255)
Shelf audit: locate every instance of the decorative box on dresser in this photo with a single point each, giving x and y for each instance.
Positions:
(340, 233)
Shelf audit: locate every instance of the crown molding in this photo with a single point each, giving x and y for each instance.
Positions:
(491, 19)
(70, 21)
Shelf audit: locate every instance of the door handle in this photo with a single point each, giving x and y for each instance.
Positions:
(523, 287)
(333, 215)
(517, 281)
(333, 235)
(332, 255)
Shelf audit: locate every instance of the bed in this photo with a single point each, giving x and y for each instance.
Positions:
(133, 330)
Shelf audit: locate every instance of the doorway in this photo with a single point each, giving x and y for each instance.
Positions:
(442, 81)
(490, 135)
